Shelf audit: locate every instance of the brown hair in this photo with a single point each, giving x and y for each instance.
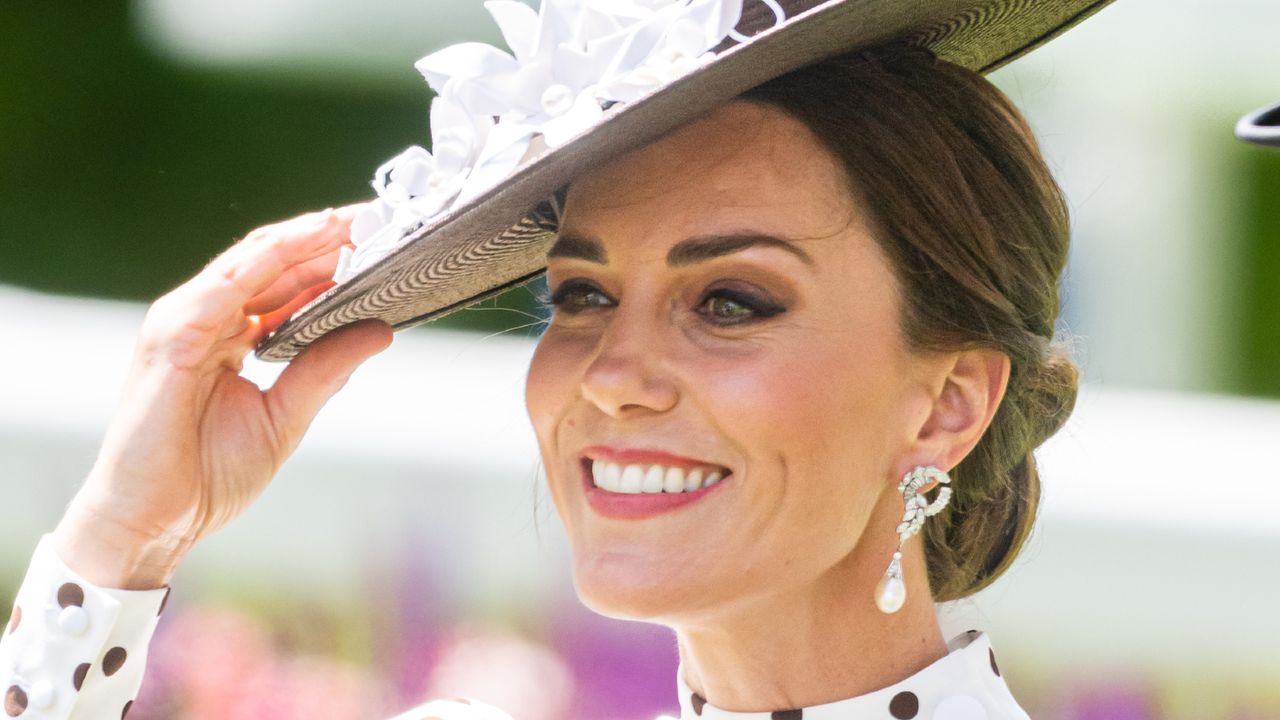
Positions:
(977, 230)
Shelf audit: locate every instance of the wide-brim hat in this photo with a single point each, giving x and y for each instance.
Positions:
(441, 236)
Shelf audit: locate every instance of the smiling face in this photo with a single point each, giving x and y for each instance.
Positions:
(722, 312)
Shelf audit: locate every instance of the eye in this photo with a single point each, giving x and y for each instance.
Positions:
(574, 296)
(723, 306)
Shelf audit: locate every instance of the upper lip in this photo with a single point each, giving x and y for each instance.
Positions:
(645, 456)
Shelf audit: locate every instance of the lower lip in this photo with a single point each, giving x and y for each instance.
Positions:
(637, 506)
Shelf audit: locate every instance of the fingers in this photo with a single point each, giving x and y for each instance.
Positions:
(253, 265)
(295, 281)
(268, 269)
(274, 319)
(319, 372)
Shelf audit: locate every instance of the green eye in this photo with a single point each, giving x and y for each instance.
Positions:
(729, 307)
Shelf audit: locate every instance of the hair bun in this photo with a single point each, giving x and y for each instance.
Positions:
(1049, 392)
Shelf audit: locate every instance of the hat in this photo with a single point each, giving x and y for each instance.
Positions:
(1262, 126)
(585, 82)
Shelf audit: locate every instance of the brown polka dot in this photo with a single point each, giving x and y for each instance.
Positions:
(113, 660)
(164, 601)
(697, 701)
(15, 618)
(994, 668)
(71, 594)
(125, 711)
(787, 715)
(77, 679)
(15, 701)
(904, 705)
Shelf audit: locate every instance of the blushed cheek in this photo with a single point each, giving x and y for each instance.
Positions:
(550, 384)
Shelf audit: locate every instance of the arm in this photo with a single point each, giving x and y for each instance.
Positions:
(190, 447)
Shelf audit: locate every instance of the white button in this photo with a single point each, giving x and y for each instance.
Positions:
(73, 620)
(960, 707)
(42, 695)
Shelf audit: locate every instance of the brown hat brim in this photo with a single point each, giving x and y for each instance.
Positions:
(500, 239)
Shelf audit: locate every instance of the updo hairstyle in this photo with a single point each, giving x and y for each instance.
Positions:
(976, 229)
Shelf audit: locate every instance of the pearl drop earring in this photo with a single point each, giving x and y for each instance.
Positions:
(891, 592)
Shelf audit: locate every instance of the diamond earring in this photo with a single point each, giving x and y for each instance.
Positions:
(891, 592)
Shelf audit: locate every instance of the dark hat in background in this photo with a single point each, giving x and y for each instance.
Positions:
(1262, 126)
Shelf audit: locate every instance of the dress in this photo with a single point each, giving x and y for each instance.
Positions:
(76, 651)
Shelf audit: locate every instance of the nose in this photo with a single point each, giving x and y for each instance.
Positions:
(628, 375)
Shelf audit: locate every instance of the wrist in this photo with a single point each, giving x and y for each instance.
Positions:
(112, 554)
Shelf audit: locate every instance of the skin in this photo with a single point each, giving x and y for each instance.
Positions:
(811, 399)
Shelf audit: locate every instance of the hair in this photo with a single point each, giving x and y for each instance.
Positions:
(976, 229)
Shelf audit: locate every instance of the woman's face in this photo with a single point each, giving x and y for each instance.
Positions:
(722, 310)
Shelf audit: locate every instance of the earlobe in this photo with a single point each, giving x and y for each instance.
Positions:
(964, 406)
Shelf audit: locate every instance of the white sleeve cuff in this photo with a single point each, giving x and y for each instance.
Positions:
(72, 650)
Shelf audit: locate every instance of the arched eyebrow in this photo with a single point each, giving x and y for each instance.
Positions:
(578, 247)
(686, 252)
(708, 247)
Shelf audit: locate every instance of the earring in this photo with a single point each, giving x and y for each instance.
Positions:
(891, 592)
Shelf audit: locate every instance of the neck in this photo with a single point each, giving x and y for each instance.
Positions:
(814, 644)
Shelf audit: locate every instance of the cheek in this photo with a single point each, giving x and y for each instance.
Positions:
(806, 403)
(550, 385)
(815, 419)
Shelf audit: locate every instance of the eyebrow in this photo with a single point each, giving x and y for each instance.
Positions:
(686, 252)
(578, 247)
(708, 247)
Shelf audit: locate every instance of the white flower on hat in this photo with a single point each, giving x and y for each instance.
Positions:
(569, 61)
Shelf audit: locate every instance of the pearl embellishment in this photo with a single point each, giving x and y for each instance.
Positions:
(891, 593)
(556, 100)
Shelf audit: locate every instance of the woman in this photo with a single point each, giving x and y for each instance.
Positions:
(787, 337)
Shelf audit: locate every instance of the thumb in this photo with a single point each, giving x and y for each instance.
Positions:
(317, 373)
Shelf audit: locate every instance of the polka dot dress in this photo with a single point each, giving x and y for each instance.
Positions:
(72, 650)
(964, 685)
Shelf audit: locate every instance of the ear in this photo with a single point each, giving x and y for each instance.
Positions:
(963, 406)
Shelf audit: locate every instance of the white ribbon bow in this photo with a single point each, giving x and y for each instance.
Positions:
(496, 111)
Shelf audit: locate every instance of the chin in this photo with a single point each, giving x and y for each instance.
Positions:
(657, 592)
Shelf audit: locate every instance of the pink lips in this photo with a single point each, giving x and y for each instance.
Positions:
(637, 506)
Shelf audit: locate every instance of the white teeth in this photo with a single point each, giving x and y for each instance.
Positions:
(612, 478)
(650, 479)
(673, 481)
(632, 479)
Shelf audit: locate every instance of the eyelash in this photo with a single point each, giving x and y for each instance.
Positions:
(569, 296)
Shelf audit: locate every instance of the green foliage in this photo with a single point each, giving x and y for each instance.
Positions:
(121, 174)
(1257, 369)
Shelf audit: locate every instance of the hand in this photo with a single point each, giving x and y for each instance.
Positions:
(192, 443)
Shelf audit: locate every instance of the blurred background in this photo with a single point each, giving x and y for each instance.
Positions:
(409, 551)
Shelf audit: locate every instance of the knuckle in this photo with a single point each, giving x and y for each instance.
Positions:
(171, 336)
